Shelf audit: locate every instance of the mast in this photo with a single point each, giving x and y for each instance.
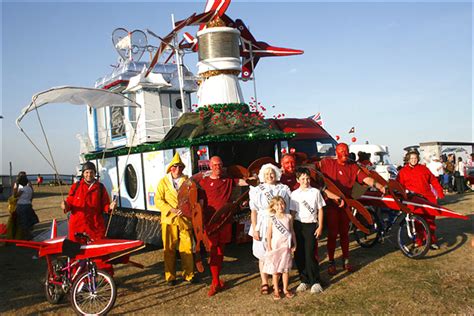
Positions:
(179, 61)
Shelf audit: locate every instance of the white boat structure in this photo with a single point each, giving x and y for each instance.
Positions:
(132, 140)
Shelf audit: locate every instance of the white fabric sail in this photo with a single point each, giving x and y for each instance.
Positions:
(96, 98)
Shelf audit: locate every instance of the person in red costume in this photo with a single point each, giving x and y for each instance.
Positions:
(87, 201)
(419, 179)
(288, 177)
(344, 174)
(217, 192)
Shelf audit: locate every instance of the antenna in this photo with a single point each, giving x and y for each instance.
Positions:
(179, 61)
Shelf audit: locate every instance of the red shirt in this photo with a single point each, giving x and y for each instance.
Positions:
(217, 193)
(87, 210)
(419, 179)
(290, 180)
(343, 176)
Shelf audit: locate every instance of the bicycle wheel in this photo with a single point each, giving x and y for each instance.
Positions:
(93, 294)
(414, 236)
(53, 292)
(368, 240)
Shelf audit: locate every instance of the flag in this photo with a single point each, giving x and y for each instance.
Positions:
(352, 130)
(125, 43)
(317, 118)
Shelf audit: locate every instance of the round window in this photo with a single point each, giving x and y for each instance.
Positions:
(131, 183)
(179, 104)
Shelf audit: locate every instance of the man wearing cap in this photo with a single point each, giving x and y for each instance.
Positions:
(176, 230)
(344, 174)
(87, 201)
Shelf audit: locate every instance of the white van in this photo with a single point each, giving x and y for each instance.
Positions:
(379, 157)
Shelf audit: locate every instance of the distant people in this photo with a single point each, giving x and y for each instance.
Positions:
(449, 170)
(25, 215)
(87, 201)
(280, 245)
(470, 161)
(306, 206)
(364, 159)
(260, 197)
(39, 180)
(459, 176)
(176, 230)
(436, 168)
(352, 157)
(419, 179)
(344, 174)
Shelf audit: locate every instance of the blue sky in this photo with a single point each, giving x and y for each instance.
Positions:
(400, 72)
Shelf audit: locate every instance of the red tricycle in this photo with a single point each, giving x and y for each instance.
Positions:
(72, 269)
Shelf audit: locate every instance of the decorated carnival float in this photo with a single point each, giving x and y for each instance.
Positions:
(141, 114)
(132, 146)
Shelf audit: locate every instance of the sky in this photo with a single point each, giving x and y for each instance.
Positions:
(399, 72)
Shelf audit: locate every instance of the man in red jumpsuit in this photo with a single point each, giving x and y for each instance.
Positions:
(344, 174)
(288, 176)
(217, 192)
(87, 201)
(419, 179)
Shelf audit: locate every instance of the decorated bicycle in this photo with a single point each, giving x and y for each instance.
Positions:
(71, 269)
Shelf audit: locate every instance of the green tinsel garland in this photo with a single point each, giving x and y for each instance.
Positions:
(214, 108)
(224, 107)
(190, 142)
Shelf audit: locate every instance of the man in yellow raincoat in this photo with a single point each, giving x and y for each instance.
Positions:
(176, 230)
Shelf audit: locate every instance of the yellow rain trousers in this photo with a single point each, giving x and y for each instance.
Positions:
(176, 231)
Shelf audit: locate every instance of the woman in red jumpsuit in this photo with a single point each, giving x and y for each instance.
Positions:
(419, 179)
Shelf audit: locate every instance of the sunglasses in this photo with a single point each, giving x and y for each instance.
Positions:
(178, 166)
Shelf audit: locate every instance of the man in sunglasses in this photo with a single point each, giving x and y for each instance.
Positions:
(176, 230)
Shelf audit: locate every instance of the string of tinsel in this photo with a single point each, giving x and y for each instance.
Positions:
(224, 107)
(132, 214)
(190, 142)
(240, 218)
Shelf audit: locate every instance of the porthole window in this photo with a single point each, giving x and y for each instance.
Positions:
(131, 183)
(179, 104)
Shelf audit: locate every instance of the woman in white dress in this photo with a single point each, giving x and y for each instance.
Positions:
(260, 197)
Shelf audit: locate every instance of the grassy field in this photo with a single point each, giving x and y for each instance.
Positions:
(386, 282)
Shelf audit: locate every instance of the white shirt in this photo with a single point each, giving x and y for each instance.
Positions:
(436, 168)
(26, 196)
(306, 204)
(460, 168)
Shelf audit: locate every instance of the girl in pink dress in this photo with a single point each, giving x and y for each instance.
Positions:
(281, 243)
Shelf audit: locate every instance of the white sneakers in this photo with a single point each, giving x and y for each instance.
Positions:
(316, 288)
(302, 287)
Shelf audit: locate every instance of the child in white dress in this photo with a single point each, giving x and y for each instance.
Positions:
(281, 243)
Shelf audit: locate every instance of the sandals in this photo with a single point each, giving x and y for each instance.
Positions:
(276, 296)
(289, 294)
(264, 289)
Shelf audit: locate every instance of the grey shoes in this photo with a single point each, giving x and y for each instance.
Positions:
(302, 287)
(315, 288)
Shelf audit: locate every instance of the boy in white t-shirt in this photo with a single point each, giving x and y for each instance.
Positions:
(306, 206)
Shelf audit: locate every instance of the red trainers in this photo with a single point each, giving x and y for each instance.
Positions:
(348, 267)
(212, 290)
(221, 284)
(332, 269)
